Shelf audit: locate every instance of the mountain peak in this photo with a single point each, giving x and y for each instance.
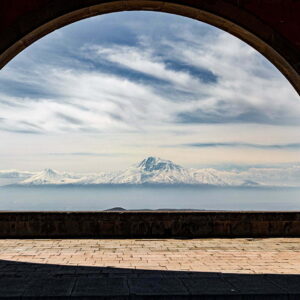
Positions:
(153, 163)
(49, 172)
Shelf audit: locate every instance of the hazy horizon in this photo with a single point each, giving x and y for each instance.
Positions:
(132, 197)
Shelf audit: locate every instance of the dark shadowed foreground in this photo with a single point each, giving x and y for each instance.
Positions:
(138, 269)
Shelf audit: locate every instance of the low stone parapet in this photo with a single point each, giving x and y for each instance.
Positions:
(132, 224)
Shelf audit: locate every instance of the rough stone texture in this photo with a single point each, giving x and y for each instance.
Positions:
(144, 268)
(272, 27)
(148, 224)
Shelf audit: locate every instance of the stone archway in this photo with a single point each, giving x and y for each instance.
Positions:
(272, 28)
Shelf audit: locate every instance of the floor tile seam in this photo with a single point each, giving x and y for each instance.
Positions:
(185, 286)
(73, 286)
(276, 284)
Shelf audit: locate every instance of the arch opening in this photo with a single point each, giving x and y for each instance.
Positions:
(161, 91)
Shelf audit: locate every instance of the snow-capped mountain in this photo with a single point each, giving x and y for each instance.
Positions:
(8, 177)
(154, 170)
(15, 174)
(49, 176)
(215, 177)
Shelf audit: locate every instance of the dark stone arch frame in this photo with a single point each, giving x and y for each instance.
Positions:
(47, 16)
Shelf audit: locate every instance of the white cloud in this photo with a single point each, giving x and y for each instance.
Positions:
(248, 89)
(87, 93)
(144, 60)
(246, 79)
(89, 101)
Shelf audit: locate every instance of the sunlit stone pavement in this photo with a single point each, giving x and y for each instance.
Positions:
(87, 267)
(251, 256)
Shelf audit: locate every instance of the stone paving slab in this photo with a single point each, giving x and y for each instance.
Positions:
(13, 287)
(258, 284)
(157, 287)
(50, 287)
(209, 286)
(100, 287)
(139, 269)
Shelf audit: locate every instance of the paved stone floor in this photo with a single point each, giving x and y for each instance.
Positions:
(214, 268)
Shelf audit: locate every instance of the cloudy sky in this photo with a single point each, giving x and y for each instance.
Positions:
(103, 93)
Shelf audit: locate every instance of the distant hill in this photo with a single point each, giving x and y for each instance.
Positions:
(160, 209)
(116, 209)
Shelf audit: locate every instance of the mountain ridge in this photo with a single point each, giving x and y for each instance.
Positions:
(151, 170)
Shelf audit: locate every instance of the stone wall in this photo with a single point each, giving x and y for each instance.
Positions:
(148, 224)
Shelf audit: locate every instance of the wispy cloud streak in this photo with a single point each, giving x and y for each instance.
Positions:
(87, 91)
(124, 83)
(246, 145)
(85, 154)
